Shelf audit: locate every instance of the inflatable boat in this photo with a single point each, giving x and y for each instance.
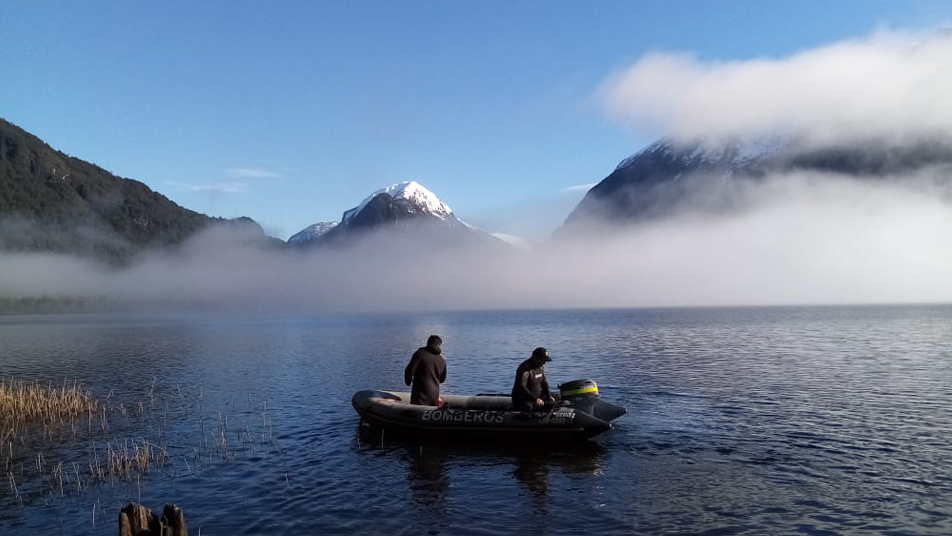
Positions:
(578, 413)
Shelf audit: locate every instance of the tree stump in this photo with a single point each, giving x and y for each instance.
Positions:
(137, 520)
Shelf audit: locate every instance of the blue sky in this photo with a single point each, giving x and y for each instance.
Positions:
(292, 112)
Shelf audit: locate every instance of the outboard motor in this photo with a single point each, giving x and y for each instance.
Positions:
(582, 395)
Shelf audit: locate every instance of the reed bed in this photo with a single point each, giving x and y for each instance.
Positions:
(28, 403)
(43, 430)
(127, 459)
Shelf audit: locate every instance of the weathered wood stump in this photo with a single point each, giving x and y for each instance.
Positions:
(137, 520)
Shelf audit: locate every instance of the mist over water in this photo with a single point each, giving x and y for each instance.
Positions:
(793, 239)
(804, 238)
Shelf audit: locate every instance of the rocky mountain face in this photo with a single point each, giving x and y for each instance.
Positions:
(311, 233)
(666, 177)
(50, 201)
(405, 210)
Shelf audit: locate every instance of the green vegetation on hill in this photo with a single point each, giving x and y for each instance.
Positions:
(50, 201)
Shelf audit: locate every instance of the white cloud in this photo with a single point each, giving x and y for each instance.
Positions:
(887, 85)
(221, 187)
(578, 188)
(252, 173)
(512, 240)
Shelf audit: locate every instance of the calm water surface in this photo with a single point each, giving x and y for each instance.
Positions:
(826, 420)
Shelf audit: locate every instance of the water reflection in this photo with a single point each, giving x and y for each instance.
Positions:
(533, 473)
(432, 467)
(427, 476)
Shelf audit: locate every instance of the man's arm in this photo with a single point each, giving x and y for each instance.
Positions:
(411, 369)
(546, 394)
(521, 389)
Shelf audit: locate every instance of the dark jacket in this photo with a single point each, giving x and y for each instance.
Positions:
(530, 384)
(426, 371)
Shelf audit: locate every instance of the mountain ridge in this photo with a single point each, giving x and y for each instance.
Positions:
(50, 201)
(666, 176)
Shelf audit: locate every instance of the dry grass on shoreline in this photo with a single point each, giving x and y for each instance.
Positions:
(25, 403)
(42, 428)
(42, 412)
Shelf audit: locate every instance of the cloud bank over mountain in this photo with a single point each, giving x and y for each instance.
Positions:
(889, 85)
(802, 239)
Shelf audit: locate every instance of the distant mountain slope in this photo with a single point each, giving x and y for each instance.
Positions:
(407, 210)
(50, 201)
(667, 176)
(311, 233)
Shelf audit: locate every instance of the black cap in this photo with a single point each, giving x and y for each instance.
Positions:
(542, 353)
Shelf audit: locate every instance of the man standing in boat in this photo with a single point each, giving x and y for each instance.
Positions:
(426, 371)
(531, 389)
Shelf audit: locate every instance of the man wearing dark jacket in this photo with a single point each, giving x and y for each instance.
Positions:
(531, 389)
(426, 371)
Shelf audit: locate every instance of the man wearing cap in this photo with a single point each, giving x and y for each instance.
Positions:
(531, 390)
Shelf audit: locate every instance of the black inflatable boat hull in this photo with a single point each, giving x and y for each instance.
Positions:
(479, 417)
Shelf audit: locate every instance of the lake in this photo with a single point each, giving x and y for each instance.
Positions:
(781, 420)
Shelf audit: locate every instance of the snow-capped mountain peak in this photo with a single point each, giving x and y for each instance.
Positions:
(411, 191)
(408, 213)
(312, 232)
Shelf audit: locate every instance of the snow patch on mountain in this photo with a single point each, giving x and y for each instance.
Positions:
(312, 232)
(412, 191)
